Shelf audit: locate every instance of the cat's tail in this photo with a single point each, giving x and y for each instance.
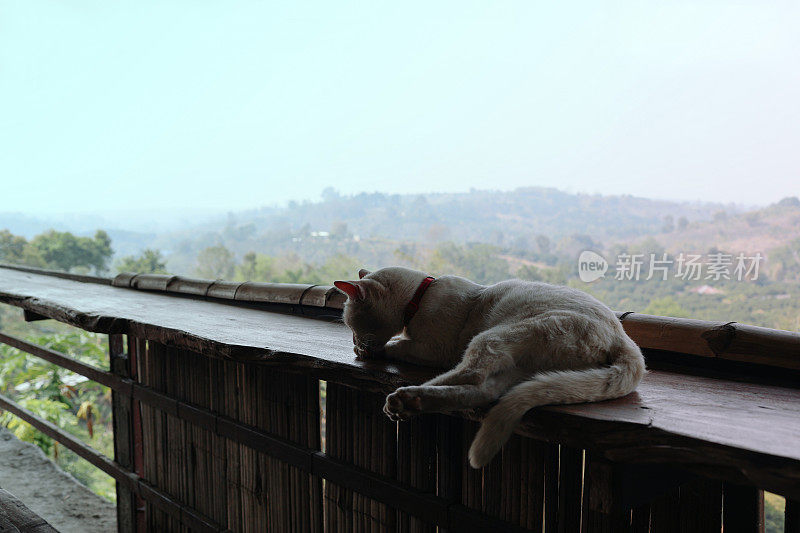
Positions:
(559, 387)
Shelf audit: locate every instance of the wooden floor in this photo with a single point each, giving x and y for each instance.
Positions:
(739, 431)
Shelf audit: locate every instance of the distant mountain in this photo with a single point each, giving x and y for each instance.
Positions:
(759, 230)
(480, 216)
(372, 226)
(145, 221)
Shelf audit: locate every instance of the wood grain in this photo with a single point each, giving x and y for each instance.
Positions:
(15, 517)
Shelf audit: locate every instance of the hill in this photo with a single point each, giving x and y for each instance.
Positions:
(758, 230)
(373, 225)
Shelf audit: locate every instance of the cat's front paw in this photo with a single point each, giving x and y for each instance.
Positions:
(369, 353)
(402, 404)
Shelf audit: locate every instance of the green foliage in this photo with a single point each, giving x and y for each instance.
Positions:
(479, 262)
(784, 262)
(291, 269)
(666, 306)
(338, 267)
(17, 250)
(68, 400)
(256, 267)
(774, 516)
(339, 230)
(543, 243)
(58, 250)
(530, 273)
(12, 247)
(51, 410)
(555, 275)
(148, 262)
(789, 201)
(215, 262)
(669, 224)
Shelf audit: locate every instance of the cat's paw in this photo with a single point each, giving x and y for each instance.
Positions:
(369, 353)
(361, 353)
(402, 404)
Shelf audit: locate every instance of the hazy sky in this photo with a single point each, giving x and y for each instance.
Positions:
(112, 105)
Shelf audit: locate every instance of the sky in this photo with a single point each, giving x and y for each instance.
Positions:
(112, 105)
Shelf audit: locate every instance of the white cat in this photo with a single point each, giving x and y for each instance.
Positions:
(524, 343)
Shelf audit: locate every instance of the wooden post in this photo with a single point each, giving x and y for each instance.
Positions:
(449, 460)
(792, 517)
(665, 513)
(550, 488)
(619, 497)
(701, 506)
(742, 509)
(570, 489)
(603, 508)
(122, 413)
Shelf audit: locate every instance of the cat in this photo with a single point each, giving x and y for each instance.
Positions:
(523, 343)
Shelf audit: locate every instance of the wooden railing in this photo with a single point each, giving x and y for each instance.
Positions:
(222, 422)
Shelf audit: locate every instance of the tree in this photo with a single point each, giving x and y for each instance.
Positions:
(12, 247)
(339, 267)
(557, 275)
(339, 230)
(683, 222)
(256, 267)
(148, 262)
(666, 306)
(215, 262)
(329, 194)
(478, 262)
(668, 225)
(530, 273)
(101, 251)
(543, 243)
(784, 262)
(789, 201)
(65, 251)
(437, 233)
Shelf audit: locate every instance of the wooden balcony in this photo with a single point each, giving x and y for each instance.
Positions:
(220, 423)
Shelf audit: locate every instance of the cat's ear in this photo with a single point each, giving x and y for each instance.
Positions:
(352, 289)
(363, 272)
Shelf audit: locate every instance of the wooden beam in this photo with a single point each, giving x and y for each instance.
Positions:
(15, 517)
(30, 316)
(56, 274)
(103, 377)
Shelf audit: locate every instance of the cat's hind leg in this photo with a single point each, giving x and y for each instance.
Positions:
(485, 372)
(408, 401)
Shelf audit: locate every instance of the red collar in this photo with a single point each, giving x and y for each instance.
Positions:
(413, 305)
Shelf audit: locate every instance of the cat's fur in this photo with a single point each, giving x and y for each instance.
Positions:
(524, 343)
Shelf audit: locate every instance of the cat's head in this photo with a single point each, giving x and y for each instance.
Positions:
(370, 311)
